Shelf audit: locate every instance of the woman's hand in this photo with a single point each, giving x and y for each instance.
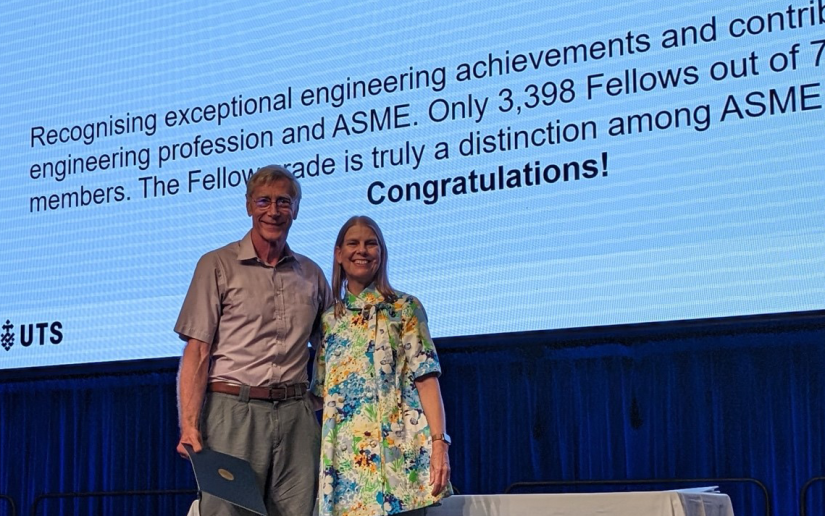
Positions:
(430, 393)
(439, 466)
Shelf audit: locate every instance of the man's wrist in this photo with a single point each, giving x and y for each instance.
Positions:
(189, 428)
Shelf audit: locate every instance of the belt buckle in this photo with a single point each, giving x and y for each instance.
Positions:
(273, 390)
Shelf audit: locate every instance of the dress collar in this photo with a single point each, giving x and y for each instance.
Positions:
(370, 296)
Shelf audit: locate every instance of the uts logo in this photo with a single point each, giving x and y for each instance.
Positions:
(31, 333)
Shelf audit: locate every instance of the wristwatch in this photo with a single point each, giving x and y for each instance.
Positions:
(442, 437)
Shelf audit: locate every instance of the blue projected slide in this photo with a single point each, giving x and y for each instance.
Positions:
(534, 165)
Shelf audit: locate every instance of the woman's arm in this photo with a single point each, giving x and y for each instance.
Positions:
(429, 391)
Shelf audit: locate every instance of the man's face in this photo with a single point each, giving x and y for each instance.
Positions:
(272, 210)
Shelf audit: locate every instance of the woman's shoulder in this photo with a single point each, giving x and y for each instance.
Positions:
(328, 317)
(403, 298)
(406, 302)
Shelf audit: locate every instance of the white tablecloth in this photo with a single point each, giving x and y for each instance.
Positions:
(650, 503)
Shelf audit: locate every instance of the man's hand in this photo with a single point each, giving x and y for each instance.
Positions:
(192, 437)
(439, 466)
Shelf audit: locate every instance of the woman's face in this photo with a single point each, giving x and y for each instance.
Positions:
(359, 256)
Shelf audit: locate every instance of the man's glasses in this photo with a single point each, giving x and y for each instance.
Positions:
(281, 203)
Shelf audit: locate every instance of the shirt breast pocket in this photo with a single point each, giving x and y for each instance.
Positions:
(301, 300)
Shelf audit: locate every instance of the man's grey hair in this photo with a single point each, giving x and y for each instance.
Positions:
(268, 175)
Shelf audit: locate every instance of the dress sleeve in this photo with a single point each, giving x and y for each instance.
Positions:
(418, 345)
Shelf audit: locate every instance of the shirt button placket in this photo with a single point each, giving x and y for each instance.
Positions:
(275, 371)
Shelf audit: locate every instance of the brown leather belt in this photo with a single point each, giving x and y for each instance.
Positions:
(271, 393)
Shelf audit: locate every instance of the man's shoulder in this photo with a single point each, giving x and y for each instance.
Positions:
(221, 254)
(307, 263)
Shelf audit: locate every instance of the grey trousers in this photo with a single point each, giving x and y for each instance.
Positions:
(282, 442)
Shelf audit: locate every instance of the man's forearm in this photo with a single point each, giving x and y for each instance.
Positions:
(194, 370)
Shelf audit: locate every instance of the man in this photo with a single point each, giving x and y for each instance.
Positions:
(242, 387)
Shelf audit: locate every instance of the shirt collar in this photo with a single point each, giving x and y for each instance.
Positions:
(246, 251)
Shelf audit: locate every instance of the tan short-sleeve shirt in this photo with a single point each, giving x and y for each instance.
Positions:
(257, 318)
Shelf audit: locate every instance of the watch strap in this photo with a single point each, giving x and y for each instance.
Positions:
(442, 437)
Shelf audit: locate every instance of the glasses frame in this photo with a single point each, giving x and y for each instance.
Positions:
(281, 203)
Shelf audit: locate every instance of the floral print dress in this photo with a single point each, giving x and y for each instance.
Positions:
(375, 441)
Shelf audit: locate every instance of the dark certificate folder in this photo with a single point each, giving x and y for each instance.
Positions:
(227, 477)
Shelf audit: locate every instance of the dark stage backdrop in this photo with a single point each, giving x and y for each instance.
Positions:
(703, 400)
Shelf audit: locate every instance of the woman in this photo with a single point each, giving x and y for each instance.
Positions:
(383, 443)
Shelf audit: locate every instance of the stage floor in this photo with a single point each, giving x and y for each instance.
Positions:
(650, 503)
